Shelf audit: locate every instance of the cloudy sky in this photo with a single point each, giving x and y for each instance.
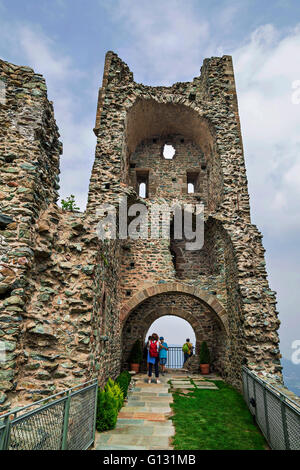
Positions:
(164, 42)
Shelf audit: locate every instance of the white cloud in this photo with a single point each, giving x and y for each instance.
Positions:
(41, 54)
(265, 69)
(165, 39)
(64, 83)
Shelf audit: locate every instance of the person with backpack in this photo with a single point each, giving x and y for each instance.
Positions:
(146, 352)
(153, 357)
(163, 354)
(187, 349)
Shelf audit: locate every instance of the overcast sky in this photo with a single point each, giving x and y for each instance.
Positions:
(164, 42)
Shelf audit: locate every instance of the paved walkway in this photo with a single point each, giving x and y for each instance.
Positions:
(143, 423)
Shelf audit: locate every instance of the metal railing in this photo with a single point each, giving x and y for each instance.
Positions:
(277, 415)
(175, 357)
(64, 421)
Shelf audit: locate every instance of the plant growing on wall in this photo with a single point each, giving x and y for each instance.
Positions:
(204, 353)
(70, 204)
(136, 355)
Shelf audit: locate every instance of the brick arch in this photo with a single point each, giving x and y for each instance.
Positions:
(210, 300)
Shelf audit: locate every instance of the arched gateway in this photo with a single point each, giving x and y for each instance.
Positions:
(203, 311)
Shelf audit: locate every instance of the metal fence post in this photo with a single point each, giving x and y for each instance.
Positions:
(64, 442)
(95, 413)
(255, 402)
(5, 437)
(247, 377)
(284, 423)
(266, 413)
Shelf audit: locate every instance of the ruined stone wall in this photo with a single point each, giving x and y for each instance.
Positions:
(169, 177)
(65, 295)
(52, 265)
(29, 156)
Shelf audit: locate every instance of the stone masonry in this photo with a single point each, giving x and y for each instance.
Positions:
(70, 304)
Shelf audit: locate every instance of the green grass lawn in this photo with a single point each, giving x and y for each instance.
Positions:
(214, 420)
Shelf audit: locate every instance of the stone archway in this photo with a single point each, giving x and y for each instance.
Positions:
(203, 312)
(208, 299)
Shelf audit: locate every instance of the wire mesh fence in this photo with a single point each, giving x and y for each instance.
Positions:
(277, 415)
(64, 421)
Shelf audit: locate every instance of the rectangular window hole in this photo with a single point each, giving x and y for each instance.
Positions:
(192, 182)
(142, 183)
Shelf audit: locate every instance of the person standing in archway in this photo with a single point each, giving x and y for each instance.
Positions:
(187, 349)
(154, 347)
(146, 352)
(163, 354)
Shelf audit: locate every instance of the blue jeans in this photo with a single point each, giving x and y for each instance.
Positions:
(155, 367)
(186, 356)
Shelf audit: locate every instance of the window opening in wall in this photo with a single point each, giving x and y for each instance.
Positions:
(142, 190)
(191, 188)
(173, 254)
(142, 180)
(169, 152)
(192, 182)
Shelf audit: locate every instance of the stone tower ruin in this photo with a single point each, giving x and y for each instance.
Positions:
(71, 305)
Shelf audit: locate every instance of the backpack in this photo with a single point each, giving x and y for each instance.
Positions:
(185, 348)
(153, 349)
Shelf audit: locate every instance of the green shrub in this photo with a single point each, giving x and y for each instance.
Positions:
(69, 204)
(117, 392)
(109, 402)
(136, 355)
(107, 410)
(123, 380)
(204, 353)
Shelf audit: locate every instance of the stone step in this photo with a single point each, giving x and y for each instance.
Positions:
(149, 416)
(151, 429)
(141, 422)
(134, 440)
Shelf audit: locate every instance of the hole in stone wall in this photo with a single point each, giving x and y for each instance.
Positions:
(142, 190)
(107, 185)
(6, 294)
(142, 180)
(173, 254)
(169, 152)
(191, 188)
(192, 182)
(128, 293)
